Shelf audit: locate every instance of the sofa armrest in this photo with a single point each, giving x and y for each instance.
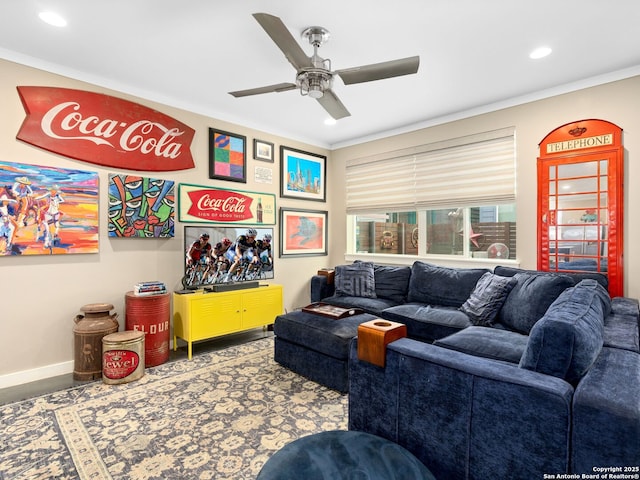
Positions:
(320, 288)
(461, 415)
(606, 413)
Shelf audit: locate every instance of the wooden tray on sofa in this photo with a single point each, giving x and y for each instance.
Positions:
(331, 311)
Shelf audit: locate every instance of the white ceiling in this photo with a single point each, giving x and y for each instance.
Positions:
(189, 54)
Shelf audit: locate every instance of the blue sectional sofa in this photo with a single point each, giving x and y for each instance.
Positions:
(504, 374)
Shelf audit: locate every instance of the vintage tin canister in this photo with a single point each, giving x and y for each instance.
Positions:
(122, 357)
(150, 314)
(89, 329)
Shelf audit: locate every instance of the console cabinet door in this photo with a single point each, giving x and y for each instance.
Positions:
(261, 308)
(216, 315)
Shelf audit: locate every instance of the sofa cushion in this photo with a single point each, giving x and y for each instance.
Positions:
(427, 323)
(447, 287)
(621, 325)
(530, 298)
(625, 306)
(567, 340)
(577, 277)
(621, 331)
(392, 282)
(487, 298)
(320, 334)
(487, 342)
(355, 280)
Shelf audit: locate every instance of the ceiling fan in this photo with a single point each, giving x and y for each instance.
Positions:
(313, 74)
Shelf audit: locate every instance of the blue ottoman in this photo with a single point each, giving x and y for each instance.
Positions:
(338, 455)
(316, 347)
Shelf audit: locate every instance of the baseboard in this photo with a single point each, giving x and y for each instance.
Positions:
(28, 376)
(41, 373)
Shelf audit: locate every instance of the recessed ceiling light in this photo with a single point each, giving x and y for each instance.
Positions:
(330, 121)
(52, 19)
(540, 52)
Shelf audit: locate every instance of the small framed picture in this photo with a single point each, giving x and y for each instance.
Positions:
(303, 232)
(227, 156)
(262, 150)
(303, 174)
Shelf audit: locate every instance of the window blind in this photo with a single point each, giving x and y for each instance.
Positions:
(475, 170)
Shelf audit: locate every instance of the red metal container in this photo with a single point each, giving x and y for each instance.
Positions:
(150, 314)
(122, 357)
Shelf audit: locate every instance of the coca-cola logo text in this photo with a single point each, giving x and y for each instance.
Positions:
(229, 204)
(105, 130)
(220, 205)
(141, 135)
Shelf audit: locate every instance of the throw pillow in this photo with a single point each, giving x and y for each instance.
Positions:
(530, 298)
(392, 282)
(355, 280)
(577, 277)
(487, 298)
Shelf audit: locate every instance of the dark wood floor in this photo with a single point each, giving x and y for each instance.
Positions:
(53, 384)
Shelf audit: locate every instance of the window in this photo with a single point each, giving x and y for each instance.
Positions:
(454, 198)
(476, 232)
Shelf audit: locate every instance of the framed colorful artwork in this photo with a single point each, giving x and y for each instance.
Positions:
(303, 232)
(141, 207)
(47, 210)
(262, 150)
(303, 174)
(227, 156)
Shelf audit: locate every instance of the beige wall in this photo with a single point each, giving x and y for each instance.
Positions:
(617, 102)
(41, 294)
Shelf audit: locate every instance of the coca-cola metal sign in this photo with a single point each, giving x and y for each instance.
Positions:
(205, 204)
(104, 130)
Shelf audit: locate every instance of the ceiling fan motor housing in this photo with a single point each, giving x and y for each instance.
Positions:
(314, 82)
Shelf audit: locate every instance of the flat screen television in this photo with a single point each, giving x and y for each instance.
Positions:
(256, 264)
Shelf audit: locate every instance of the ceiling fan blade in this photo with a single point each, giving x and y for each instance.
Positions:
(284, 40)
(278, 87)
(332, 104)
(379, 71)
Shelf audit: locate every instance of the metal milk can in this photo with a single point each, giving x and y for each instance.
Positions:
(89, 328)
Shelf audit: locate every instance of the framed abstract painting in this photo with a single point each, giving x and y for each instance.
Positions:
(227, 156)
(141, 207)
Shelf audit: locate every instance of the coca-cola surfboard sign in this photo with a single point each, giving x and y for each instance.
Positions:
(104, 130)
(216, 205)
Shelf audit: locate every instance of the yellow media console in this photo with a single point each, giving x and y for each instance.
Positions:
(202, 315)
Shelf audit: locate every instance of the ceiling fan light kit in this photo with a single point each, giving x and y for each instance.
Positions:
(314, 77)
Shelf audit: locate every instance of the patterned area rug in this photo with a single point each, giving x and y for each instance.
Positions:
(219, 416)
